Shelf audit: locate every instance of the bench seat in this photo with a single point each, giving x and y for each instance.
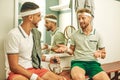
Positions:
(109, 68)
(113, 67)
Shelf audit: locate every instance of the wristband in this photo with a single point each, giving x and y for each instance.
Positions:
(47, 58)
(34, 77)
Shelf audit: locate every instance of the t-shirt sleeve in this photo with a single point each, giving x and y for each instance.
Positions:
(60, 38)
(101, 42)
(11, 44)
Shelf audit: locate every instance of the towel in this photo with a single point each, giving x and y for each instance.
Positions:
(36, 52)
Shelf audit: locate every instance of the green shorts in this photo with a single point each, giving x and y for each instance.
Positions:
(91, 67)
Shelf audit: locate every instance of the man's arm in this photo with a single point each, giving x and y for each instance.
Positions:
(59, 39)
(64, 48)
(16, 68)
(51, 59)
(101, 53)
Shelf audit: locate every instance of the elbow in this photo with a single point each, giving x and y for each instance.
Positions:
(14, 68)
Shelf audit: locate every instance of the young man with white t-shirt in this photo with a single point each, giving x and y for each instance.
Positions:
(19, 46)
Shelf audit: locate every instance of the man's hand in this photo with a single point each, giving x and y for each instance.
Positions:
(54, 59)
(45, 46)
(97, 54)
(61, 48)
(100, 54)
(103, 55)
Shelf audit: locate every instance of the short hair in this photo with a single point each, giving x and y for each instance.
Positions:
(52, 16)
(84, 10)
(28, 6)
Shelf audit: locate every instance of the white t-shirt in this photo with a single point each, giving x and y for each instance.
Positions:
(18, 42)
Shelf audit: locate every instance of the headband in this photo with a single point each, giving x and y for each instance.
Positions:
(50, 19)
(26, 13)
(86, 14)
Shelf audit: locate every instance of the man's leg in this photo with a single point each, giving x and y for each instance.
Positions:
(19, 78)
(101, 76)
(43, 73)
(13, 76)
(95, 71)
(46, 74)
(77, 73)
(52, 76)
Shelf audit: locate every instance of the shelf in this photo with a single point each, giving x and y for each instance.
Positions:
(60, 7)
(59, 55)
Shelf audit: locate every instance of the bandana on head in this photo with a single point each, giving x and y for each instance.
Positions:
(50, 19)
(26, 13)
(87, 14)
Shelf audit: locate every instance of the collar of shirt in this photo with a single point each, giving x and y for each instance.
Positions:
(91, 33)
(25, 35)
(54, 31)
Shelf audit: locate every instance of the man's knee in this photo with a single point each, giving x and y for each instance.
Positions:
(50, 75)
(101, 76)
(78, 73)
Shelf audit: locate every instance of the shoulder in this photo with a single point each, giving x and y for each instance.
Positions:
(59, 33)
(96, 32)
(13, 36)
(14, 32)
(75, 32)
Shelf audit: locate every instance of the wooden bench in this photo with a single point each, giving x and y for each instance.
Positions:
(113, 67)
(109, 68)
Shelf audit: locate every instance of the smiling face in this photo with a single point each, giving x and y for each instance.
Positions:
(30, 12)
(84, 20)
(36, 19)
(50, 22)
(48, 25)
